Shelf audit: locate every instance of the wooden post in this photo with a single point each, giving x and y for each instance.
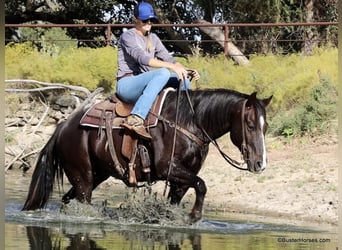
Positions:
(226, 37)
(108, 34)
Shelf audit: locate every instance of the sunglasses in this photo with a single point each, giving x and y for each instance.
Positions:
(151, 20)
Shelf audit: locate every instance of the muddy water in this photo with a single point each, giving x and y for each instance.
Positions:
(116, 221)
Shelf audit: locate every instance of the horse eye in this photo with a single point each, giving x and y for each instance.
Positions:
(251, 127)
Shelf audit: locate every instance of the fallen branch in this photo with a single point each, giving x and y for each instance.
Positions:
(20, 156)
(43, 116)
(88, 100)
(13, 160)
(14, 123)
(33, 90)
(51, 86)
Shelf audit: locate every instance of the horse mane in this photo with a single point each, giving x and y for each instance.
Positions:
(212, 106)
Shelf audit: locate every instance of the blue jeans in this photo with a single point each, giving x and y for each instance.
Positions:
(143, 89)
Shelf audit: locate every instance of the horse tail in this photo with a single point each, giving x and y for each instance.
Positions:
(43, 175)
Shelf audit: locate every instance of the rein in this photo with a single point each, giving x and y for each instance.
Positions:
(231, 161)
(228, 159)
(171, 163)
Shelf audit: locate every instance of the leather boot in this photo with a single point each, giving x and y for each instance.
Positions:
(136, 123)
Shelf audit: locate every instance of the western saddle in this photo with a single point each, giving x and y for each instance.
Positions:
(110, 114)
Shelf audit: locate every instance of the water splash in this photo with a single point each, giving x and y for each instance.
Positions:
(137, 208)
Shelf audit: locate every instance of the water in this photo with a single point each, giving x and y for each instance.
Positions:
(141, 224)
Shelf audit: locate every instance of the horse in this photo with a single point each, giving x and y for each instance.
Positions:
(191, 121)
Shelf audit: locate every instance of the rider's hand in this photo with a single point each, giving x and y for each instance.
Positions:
(180, 70)
(195, 75)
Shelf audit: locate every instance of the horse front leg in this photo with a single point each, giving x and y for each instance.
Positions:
(181, 178)
(201, 190)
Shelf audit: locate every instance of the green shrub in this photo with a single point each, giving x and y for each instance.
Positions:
(85, 67)
(287, 78)
(298, 83)
(311, 116)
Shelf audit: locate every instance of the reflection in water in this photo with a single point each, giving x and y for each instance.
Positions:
(82, 242)
(39, 238)
(208, 234)
(114, 237)
(42, 238)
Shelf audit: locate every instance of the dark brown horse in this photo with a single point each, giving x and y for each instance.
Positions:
(82, 154)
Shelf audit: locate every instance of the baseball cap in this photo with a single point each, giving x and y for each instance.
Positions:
(144, 11)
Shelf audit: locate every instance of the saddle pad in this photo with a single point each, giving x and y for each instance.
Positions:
(152, 119)
(95, 115)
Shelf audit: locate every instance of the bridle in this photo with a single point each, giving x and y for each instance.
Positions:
(228, 159)
(243, 128)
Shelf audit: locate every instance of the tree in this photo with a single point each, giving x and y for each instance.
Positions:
(60, 12)
(57, 11)
(181, 11)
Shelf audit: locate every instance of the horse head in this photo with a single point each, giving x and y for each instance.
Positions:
(248, 132)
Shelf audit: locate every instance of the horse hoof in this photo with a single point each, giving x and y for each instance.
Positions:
(66, 200)
(195, 216)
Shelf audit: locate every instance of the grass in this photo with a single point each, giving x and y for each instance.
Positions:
(303, 87)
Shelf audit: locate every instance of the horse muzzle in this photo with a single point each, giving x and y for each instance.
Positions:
(256, 167)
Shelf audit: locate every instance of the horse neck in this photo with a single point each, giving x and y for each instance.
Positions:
(216, 111)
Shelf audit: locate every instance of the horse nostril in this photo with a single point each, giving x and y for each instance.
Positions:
(259, 166)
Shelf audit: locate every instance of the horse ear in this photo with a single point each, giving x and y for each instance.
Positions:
(267, 100)
(251, 99)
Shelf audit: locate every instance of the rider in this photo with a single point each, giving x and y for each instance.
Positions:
(144, 66)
